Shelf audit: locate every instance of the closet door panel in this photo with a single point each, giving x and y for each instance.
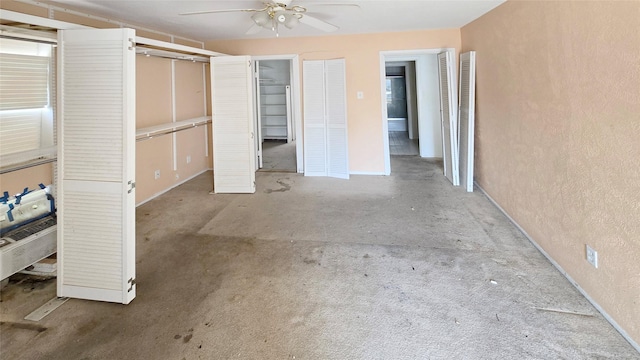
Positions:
(336, 104)
(96, 165)
(233, 125)
(467, 117)
(448, 117)
(315, 136)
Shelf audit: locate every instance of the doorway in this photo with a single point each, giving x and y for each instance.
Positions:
(402, 108)
(428, 125)
(277, 126)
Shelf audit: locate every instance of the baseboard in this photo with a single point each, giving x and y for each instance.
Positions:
(172, 187)
(365, 173)
(565, 274)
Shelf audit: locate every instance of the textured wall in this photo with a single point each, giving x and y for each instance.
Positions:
(558, 122)
(362, 57)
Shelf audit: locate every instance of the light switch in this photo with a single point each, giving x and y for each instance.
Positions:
(360, 95)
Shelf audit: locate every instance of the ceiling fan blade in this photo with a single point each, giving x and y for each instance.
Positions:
(332, 4)
(254, 29)
(317, 23)
(219, 11)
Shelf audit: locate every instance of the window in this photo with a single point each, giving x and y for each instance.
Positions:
(26, 112)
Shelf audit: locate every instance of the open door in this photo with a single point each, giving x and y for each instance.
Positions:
(448, 105)
(257, 100)
(96, 164)
(467, 117)
(234, 162)
(315, 137)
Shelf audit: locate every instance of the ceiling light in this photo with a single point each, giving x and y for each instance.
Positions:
(261, 19)
(292, 21)
(281, 17)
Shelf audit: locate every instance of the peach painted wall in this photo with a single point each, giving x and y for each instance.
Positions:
(14, 182)
(362, 57)
(558, 121)
(154, 107)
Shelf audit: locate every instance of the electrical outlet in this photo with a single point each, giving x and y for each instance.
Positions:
(592, 257)
(156, 174)
(188, 159)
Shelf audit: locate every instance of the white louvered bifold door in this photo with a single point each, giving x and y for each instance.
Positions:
(96, 159)
(315, 137)
(336, 113)
(325, 119)
(234, 162)
(467, 117)
(448, 117)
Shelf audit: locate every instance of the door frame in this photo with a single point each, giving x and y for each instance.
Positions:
(420, 57)
(296, 104)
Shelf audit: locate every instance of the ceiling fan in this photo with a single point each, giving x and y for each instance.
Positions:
(278, 13)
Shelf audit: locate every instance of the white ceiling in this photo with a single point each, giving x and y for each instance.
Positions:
(370, 16)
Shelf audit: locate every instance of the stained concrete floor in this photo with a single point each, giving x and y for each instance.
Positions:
(397, 267)
(279, 156)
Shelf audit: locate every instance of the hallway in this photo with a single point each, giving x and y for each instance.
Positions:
(400, 144)
(375, 267)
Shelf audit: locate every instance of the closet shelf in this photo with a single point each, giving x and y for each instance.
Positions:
(164, 129)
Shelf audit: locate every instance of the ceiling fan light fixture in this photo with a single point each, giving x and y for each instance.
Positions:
(261, 19)
(292, 21)
(281, 17)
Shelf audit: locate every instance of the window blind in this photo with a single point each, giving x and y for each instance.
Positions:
(23, 81)
(26, 117)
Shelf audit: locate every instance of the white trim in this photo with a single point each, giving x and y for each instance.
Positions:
(402, 55)
(172, 187)
(367, 173)
(564, 273)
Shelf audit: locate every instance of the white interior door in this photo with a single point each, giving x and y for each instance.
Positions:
(258, 114)
(233, 125)
(325, 119)
(96, 164)
(336, 119)
(315, 137)
(448, 117)
(467, 117)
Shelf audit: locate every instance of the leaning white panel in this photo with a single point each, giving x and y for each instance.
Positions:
(467, 117)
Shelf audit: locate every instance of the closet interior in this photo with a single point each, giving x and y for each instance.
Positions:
(276, 125)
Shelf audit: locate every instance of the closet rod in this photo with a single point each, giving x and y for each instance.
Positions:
(170, 55)
(9, 37)
(171, 131)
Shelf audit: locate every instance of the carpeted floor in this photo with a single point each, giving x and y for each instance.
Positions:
(279, 156)
(376, 267)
